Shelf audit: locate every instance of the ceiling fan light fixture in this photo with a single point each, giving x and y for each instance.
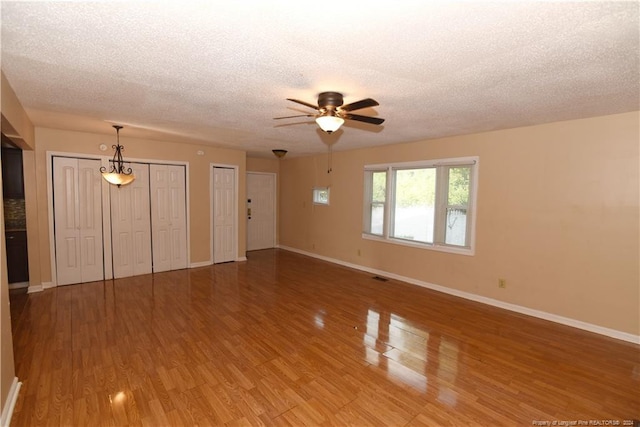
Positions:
(329, 123)
(331, 112)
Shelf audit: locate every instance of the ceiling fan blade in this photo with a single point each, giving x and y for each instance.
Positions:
(291, 117)
(360, 104)
(366, 119)
(315, 107)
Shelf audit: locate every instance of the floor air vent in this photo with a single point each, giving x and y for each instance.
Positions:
(380, 278)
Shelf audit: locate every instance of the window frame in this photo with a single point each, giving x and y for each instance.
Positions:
(316, 191)
(442, 167)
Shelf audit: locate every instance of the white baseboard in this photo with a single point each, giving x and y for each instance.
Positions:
(35, 288)
(209, 263)
(40, 287)
(624, 336)
(200, 264)
(18, 285)
(10, 403)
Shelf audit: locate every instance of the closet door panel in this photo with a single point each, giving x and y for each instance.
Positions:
(223, 215)
(66, 225)
(141, 221)
(177, 204)
(168, 217)
(131, 225)
(90, 210)
(77, 220)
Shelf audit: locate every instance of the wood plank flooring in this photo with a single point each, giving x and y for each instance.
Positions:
(284, 339)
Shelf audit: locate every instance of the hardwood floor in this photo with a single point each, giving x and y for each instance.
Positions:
(284, 339)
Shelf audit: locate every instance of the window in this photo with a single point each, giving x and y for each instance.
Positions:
(426, 204)
(374, 210)
(321, 195)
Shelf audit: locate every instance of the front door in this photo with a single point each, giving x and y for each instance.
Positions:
(261, 224)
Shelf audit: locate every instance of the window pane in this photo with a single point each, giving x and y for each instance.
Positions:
(374, 206)
(456, 227)
(459, 186)
(379, 186)
(414, 207)
(377, 218)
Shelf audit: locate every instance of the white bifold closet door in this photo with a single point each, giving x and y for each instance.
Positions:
(77, 197)
(168, 217)
(223, 215)
(131, 225)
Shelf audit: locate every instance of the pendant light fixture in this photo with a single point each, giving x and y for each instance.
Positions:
(118, 174)
(279, 153)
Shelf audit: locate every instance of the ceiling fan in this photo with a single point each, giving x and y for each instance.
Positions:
(331, 113)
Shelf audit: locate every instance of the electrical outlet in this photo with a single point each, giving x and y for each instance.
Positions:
(502, 283)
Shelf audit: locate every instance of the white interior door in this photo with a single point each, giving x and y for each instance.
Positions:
(261, 194)
(223, 214)
(131, 225)
(168, 217)
(77, 220)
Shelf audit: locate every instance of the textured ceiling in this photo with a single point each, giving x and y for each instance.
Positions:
(218, 72)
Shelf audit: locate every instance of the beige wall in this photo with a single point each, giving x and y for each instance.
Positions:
(15, 122)
(198, 181)
(557, 217)
(34, 234)
(255, 164)
(7, 366)
(17, 126)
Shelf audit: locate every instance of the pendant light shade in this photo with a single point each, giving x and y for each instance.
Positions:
(329, 123)
(118, 174)
(118, 178)
(279, 153)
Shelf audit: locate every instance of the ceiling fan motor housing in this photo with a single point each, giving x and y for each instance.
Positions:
(330, 99)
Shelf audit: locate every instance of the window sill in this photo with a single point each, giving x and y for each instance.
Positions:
(438, 248)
